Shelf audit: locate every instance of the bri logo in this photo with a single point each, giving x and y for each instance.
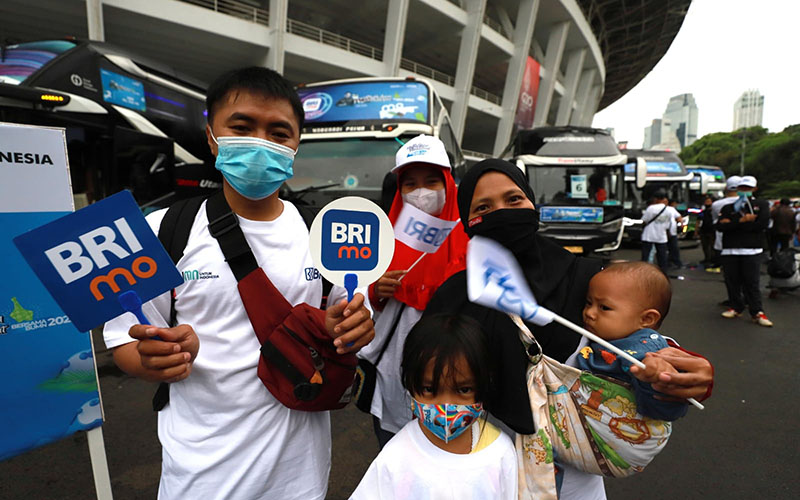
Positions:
(350, 240)
(312, 273)
(71, 265)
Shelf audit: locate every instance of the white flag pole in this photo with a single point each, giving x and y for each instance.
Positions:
(586, 333)
(97, 453)
(412, 266)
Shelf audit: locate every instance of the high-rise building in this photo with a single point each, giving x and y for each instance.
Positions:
(682, 113)
(748, 111)
(652, 134)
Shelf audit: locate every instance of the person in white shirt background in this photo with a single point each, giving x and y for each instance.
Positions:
(223, 434)
(657, 220)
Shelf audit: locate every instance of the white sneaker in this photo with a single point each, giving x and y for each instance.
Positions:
(762, 319)
(731, 313)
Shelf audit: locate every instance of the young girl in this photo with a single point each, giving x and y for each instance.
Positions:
(449, 450)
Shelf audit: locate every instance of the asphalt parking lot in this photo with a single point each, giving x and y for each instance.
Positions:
(743, 446)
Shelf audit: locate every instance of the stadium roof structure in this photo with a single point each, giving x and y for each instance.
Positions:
(633, 36)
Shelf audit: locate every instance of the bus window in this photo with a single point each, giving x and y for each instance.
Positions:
(18, 62)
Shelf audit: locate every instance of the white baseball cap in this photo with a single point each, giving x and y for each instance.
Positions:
(732, 182)
(422, 149)
(748, 181)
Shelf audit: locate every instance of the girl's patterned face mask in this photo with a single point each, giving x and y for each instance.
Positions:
(446, 421)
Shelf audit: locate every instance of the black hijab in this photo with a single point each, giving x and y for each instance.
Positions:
(544, 263)
(558, 279)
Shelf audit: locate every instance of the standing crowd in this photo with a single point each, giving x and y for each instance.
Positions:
(450, 376)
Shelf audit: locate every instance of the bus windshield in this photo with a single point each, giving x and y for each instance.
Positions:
(348, 163)
(18, 62)
(576, 185)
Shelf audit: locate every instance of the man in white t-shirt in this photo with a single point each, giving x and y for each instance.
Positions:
(223, 435)
(656, 220)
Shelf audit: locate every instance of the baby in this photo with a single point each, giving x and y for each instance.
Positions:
(624, 305)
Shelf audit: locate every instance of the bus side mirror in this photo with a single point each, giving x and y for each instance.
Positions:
(641, 172)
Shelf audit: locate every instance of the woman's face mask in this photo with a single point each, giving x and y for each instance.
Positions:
(254, 167)
(446, 421)
(429, 201)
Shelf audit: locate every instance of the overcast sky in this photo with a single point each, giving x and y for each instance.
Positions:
(723, 48)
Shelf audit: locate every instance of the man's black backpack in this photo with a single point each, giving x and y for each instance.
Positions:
(783, 264)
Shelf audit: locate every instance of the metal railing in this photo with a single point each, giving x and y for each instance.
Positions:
(326, 37)
(299, 28)
(235, 9)
(488, 21)
(483, 94)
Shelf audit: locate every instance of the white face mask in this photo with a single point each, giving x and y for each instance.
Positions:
(427, 200)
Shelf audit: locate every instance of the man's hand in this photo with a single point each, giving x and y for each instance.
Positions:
(169, 359)
(350, 324)
(388, 283)
(747, 218)
(693, 377)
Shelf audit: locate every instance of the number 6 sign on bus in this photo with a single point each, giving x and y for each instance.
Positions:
(352, 242)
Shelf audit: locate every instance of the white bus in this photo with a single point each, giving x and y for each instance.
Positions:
(353, 128)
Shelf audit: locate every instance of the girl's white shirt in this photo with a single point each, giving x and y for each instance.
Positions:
(411, 467)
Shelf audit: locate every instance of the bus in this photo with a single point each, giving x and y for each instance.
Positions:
(577, 175)
(665, 172)
(130, 123)
(352, 130)
(706, 180)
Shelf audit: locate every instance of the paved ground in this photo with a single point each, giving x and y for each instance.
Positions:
(743, 446)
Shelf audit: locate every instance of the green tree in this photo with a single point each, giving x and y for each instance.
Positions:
(774, 158)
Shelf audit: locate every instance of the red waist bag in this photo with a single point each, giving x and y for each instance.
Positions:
(299, 364)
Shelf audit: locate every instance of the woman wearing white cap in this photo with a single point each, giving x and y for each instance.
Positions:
(425, 182)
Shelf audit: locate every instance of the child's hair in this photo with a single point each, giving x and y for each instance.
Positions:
(263, 81)
(651, 282)
(445, 338)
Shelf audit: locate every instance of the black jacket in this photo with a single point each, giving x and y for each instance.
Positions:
(737, 234)
(509, 400)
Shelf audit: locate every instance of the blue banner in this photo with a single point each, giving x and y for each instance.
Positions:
(87, 259)
(49, 388)
(657, 167)
(571, 214)
(365, 101)
(122, 90)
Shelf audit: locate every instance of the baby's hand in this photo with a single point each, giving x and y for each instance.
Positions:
(654, 367)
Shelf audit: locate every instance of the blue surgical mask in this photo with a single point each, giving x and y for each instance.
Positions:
(446, 421)
(254, 167)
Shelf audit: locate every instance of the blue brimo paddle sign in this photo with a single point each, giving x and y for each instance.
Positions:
(352, 242)
(100, 261)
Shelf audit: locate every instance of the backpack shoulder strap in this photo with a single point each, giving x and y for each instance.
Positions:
(177, 224)
(224, 227)
(174, 235)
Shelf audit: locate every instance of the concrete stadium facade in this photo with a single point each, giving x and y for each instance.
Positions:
(474, 51)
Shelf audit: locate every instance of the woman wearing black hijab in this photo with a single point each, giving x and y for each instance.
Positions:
(496, 201)
(558, 280)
